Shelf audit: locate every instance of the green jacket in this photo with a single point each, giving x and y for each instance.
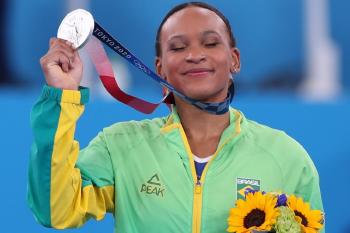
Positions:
(143, 171)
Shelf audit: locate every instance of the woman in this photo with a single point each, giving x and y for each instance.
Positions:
(179, 173)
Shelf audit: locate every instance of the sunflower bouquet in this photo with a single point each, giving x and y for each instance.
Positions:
(275, 213)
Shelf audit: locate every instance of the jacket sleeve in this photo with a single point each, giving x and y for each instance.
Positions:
(64, 193)
(299, 174)
(302, 175)
(309, 186)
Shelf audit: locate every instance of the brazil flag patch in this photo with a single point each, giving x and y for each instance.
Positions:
(243, 184)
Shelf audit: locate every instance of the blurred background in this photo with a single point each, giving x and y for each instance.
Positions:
(295, 77)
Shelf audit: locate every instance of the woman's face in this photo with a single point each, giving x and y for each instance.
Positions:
(196, 56)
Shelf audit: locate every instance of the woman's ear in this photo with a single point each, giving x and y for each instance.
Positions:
(236, 61)
(230, 81)
(158, 64)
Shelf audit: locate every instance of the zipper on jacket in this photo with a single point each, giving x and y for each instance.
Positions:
(198, 187)
(197, 207)
(198, 183)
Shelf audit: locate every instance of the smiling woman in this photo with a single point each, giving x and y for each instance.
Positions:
(196, 52)
(178, 173)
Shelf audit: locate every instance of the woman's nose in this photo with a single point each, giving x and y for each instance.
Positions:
(195, 55)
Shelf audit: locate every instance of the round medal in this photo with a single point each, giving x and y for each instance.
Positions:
(76, 27)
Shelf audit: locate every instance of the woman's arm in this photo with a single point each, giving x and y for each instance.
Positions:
(60, 194)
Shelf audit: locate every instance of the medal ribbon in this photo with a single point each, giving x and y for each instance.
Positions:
(105, 71)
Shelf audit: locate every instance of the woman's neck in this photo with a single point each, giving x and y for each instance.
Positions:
(203, 130)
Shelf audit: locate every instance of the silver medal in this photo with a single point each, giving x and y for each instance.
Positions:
(76, 27)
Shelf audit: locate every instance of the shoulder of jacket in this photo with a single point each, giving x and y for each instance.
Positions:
(133, 128)
(276, 142)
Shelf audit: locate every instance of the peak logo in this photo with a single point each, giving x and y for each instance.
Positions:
(153, 187)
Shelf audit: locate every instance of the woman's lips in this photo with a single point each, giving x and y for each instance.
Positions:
(198, 72)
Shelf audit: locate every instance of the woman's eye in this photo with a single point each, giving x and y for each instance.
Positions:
(210, 45)
(178, 48)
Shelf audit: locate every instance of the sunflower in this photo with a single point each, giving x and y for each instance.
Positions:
(311, 220)
(257, 212)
